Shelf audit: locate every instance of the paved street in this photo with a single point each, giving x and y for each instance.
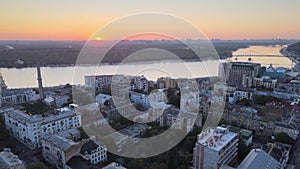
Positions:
(295, 158)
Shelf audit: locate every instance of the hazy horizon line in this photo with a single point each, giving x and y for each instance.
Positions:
(213, 39)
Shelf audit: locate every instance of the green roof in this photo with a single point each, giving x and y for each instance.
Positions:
(274, 75)
(246, 134)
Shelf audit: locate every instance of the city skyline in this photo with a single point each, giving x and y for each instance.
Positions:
(45, 20)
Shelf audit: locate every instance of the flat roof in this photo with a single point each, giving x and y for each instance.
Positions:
(259, 159)
(216, 138)
(134, 129)
(25, 118)
(113, 165)
(60, 142)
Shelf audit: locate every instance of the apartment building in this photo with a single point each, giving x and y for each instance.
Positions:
(99, 83)
(31, 129)
(215, 147)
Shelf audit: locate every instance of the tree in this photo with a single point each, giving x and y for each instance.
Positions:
(244, 102)
(139, 107)
(37, 165)
(262, 100)
(175, 101)
(170, 93)
(283, 138)
(243, 150)
(136, 163)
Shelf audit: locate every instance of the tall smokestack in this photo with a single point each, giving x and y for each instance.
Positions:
(40, 83)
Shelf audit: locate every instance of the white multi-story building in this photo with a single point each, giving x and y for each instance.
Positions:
(31, 129)
(98, 83)
(265, 81)
(215, 147)
(10, 161)
(141, 83)
(139, 98)
(243, 93)
(18, 96)
(93, 152)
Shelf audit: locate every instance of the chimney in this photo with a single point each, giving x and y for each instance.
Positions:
(40, 83)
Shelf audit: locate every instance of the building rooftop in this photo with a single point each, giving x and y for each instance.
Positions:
(134, 130)
(24, 118)
(10, 92)
(259, 159)
(113, 165)
(246, 134)
(5, 109)
(274, 75)
(103, 96)
(70, 133)
(77, 162)
(62, 115)
(60, 142)
(9, 160)
(216, 138)
(89, 147)
(244, 63)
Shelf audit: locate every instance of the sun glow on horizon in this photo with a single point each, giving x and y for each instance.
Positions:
(221, 19)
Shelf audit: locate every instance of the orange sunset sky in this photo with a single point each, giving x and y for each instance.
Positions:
(79, 19)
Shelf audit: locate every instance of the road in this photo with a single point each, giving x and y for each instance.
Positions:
(295, 158)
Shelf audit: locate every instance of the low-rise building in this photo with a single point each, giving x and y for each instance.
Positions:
(259, 159)
(140, 98)
(93, 152)
(61, 100)
(102, 98)
(18, 96)
(132, 132)
(247, 136)
(265, 81)
(10, 161)
(58, 150)
(243, 93)
(114, 165)
(77, 162)
(49, 101)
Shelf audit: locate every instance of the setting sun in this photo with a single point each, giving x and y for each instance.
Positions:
(98, 38)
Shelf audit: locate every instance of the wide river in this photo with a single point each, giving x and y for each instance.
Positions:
(26, 77)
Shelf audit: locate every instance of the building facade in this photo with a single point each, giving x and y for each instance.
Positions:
(93, 152)
(10, 161)
(239, 73)
(215, 147)
(58, 150)
(31, 129)
(98, 83)
(18, 96)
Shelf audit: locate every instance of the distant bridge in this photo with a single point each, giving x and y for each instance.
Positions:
(251, 53)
